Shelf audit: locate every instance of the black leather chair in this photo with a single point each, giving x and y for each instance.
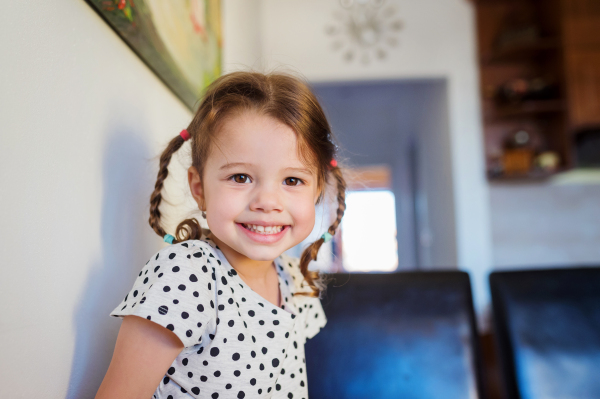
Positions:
(409, 335)
(547, 325)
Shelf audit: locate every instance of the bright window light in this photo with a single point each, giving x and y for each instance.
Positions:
(369, 232)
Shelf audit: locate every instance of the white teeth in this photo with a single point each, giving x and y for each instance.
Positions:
(263, 229)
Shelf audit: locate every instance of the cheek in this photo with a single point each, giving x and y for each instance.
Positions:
(304, 215)
(221, 205)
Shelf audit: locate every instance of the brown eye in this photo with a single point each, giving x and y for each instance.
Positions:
(292, 181)
(241, 178)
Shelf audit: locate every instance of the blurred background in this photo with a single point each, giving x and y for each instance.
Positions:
(470, 128)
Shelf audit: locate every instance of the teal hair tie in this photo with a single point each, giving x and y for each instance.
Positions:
(326, 237)
(168, 238)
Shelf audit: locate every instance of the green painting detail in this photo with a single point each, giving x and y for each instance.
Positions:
(180, 40)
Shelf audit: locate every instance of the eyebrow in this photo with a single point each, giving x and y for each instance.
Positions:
(301, 170)
(233, 165)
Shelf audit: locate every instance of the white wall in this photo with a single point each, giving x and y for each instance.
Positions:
(438, 41)
(82, 122)
(545, 225)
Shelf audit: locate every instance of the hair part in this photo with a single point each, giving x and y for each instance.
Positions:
(282, 97)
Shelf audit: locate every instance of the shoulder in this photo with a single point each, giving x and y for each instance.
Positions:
(291, 266)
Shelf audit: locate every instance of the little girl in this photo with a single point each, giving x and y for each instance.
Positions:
(224, 313)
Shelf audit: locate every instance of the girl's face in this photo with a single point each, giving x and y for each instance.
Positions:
(258, 195)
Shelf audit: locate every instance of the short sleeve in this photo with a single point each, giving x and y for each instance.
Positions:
(174, 289)
(310, 309)
(314, 318)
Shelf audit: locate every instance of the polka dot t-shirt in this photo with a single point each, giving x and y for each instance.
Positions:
(237, 344)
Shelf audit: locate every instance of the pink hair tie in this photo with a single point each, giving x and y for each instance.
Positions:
(333, 163)
(184, 135)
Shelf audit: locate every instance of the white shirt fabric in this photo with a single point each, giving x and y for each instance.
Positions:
(237, 344)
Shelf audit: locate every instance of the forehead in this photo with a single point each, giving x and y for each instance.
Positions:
(250, 137)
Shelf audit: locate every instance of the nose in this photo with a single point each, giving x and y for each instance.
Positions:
(266, 198)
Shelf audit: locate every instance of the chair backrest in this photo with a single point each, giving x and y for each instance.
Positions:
(547, 325)
(400, 335)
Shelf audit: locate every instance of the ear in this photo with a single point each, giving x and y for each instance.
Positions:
(195, 181)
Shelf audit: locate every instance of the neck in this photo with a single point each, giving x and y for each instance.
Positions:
(250, 270)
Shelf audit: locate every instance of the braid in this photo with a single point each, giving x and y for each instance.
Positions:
(163, 171)
(310, 253)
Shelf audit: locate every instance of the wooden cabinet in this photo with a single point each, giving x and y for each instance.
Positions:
(540, 74)
(583, 83)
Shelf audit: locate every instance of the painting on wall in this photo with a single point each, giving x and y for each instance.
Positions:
(180, 40)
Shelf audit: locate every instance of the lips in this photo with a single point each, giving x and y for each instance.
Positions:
(263, 234)
(266, 230)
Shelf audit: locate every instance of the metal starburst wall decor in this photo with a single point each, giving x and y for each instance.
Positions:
(364, 30)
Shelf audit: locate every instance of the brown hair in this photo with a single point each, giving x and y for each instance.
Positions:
(280, 96)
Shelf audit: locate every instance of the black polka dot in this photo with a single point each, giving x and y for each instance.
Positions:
(236, 356)
(214, 395)
(223, 280)
(214, 352)
(175, 301)
(217, 373)
(271, 334)
(264, 350)
(197, 254)
(204, 269)
(261, 322)
(184, 315)
(203, 378)
(251, 313)
(181, 287)
(228, 386)
(166, 380)
(259, 391)
(166, 288)
(190, 374)
(188, 333)
(290, 395)
(261, 367)
(160, 275)
(276, 322)
(231, 323)
(184, 361)
(237, 373)
(253, 339)
(253, 381)
(171, 256)
(175, 269)
(240, 337)
(135, 293)
(171, 327)
(145, 280)
(196, 390)
(200, 308)
(171, 370)
(253, 354)
(221, 307)
(163, 310)
(193, 278)
(196, 294)
(278, 387)
(199, 324)
(274, 311)
(241, 395)
(205, 363)
(248, 366)
(275, 362)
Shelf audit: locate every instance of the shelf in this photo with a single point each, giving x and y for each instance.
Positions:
(526, 108)
(522, 52)
(533, 175)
